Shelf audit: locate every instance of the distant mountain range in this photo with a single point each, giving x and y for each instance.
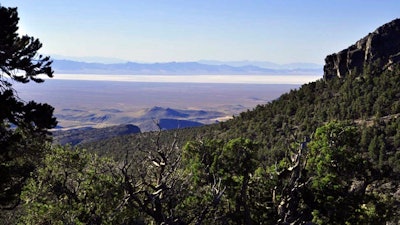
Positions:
(186, 68)
(265, 64)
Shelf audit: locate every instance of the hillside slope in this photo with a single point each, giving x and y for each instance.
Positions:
(366, 99)
(89, 134)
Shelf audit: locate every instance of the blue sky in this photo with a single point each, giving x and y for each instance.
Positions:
(281, 31)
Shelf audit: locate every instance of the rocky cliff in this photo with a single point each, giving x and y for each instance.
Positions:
(381, 47)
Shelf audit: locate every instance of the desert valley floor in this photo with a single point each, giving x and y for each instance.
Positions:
(97, 103)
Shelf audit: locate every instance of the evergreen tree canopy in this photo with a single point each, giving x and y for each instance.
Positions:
(23, 125)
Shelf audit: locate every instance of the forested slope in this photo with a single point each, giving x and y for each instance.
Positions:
(366, 103)
(371, 100)
(327, 152)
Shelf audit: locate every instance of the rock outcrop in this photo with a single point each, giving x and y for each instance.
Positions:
(380, 48)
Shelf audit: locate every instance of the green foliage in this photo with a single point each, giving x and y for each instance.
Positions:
(339, 178)
(20, 52)
(334, 155)
(201, 158)
(244, 179)
(332, 164)
(75, 187)
(23, 125)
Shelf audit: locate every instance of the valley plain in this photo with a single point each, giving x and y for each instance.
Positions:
(100, 101)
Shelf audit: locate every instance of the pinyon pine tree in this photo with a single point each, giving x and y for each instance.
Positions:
(23, 125)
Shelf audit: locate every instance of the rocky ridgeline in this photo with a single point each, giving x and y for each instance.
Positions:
(381, 48)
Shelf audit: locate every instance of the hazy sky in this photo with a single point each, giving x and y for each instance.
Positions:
(281, 31)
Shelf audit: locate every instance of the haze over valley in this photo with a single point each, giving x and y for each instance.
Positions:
(184, 100)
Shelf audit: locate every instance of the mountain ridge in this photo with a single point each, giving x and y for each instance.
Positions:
(264, 64)
(173, 68)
